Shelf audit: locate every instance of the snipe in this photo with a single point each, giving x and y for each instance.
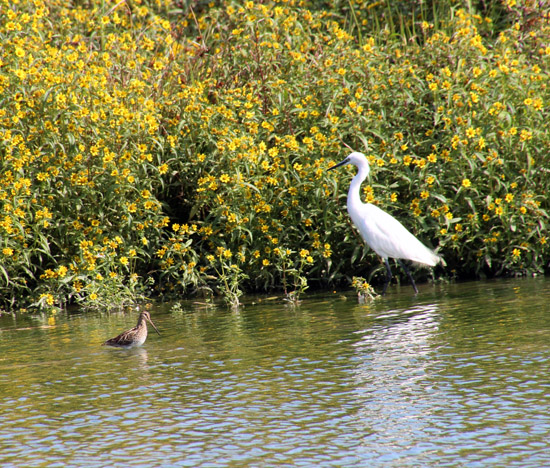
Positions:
(135, 336)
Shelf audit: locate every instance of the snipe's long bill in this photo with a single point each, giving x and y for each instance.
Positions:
(135, 336)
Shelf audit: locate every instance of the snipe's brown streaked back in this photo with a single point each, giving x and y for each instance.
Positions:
(135, 336)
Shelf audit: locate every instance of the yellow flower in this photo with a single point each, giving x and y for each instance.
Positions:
(516, 253)
(466, 183)
(49, 298)
(525, 135)
(124, 260)
(7, 251)
(265, 262)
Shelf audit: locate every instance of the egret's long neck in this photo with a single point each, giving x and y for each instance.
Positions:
(354, 192)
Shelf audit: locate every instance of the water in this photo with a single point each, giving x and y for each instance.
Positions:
(456, 376)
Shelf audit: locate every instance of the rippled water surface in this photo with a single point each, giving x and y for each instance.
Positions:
(456, 376)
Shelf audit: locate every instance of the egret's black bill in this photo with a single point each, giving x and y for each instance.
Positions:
(345, 161)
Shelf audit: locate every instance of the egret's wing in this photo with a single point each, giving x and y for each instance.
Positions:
(389, 238)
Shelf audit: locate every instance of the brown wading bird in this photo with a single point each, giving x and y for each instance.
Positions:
(135, 336)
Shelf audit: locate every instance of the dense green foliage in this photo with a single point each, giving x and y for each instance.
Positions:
(150, 148)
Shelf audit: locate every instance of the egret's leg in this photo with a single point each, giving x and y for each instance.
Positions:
(388, 278)
(408, 274)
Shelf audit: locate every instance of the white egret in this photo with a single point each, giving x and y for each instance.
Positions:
(381, 231)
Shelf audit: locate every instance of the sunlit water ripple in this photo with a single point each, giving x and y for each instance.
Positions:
(456, 376)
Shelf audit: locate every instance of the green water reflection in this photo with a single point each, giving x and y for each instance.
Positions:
(456, 376)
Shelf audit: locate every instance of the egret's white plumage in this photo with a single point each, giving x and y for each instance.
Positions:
(381, 231)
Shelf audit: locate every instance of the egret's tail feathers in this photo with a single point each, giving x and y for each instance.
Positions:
(435, 259)
(429, 258)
